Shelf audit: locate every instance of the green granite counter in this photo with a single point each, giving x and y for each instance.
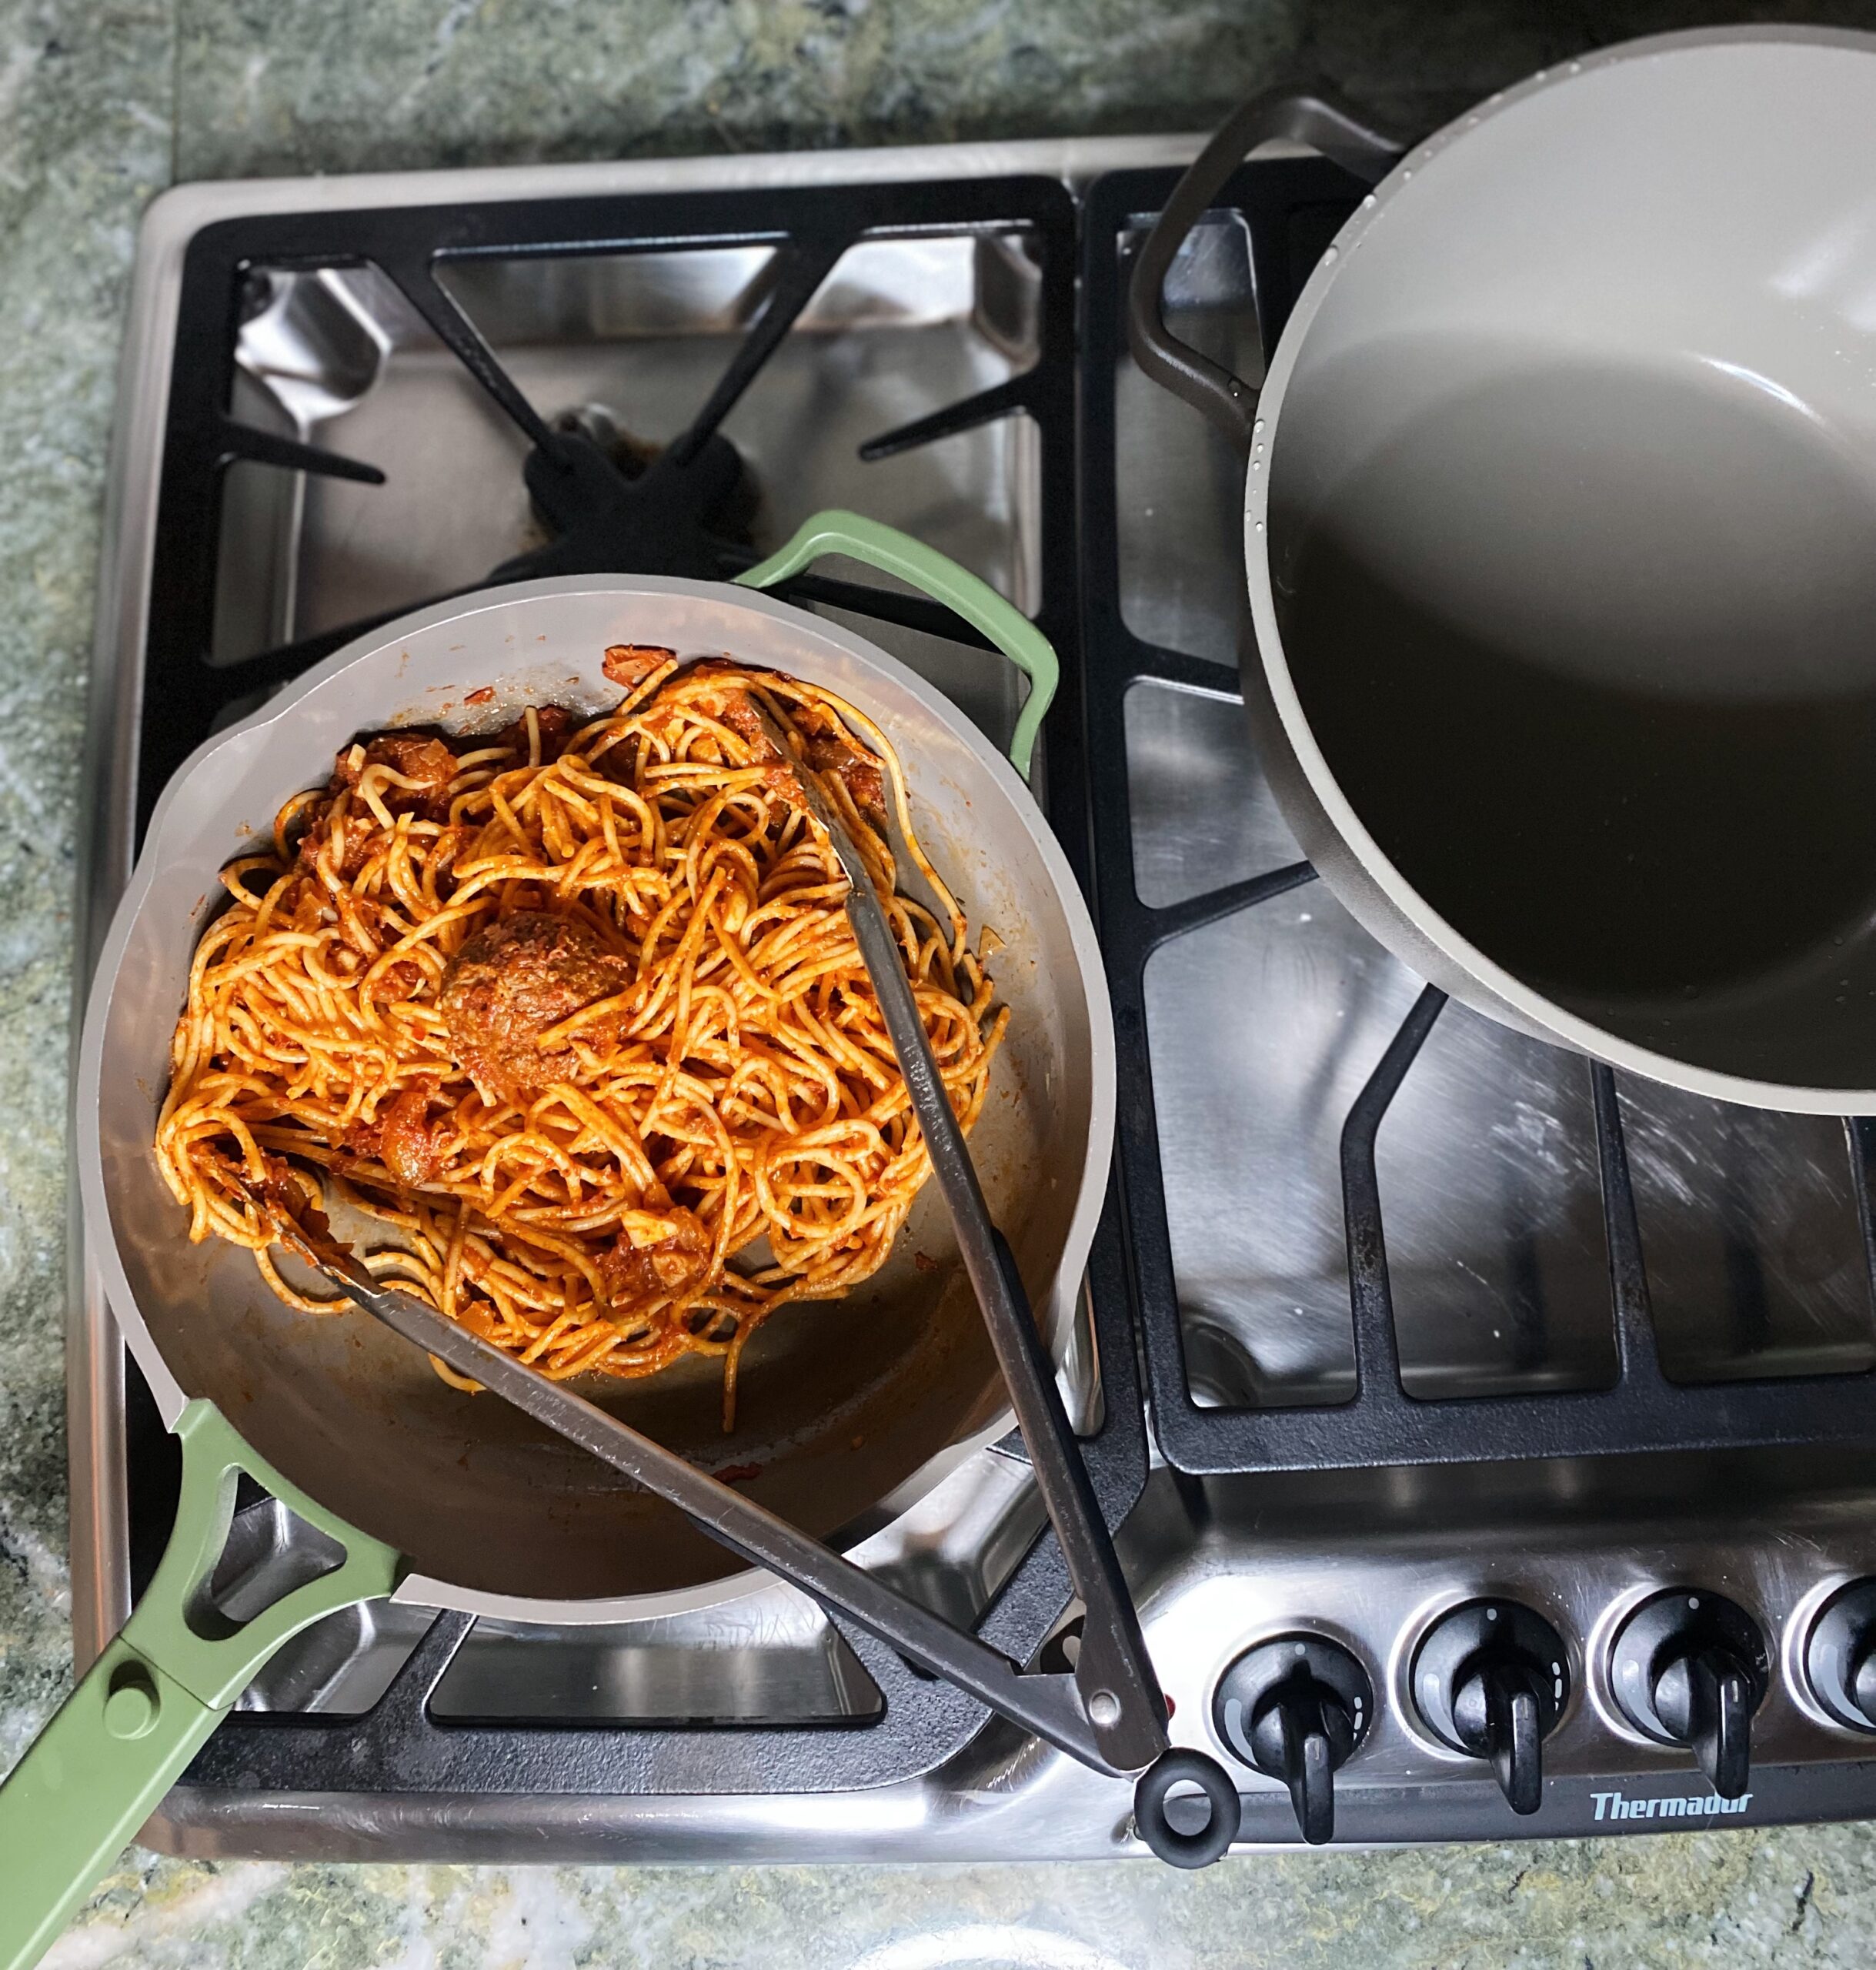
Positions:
(102, 102)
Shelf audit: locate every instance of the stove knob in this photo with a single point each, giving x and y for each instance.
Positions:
(1490, 1678)
(1296, 1707)
(1840, 1656)
(1691, 1668)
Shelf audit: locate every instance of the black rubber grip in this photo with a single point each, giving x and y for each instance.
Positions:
(1181, 1767)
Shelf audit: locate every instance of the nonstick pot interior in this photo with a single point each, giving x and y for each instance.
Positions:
(1572, 492)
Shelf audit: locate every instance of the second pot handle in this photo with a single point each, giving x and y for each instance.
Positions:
(937, 576)
(1310, 118)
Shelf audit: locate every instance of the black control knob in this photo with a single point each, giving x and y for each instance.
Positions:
(1840, 1656)
(1491, 1677)
(1296, 1707)
(1690, 1668)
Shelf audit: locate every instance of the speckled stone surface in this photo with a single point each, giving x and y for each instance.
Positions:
(101, 101)
(1705, 1899)
(268, 88)
(84, 139)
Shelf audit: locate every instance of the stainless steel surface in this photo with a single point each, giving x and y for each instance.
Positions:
(1582, 1546)
(338, 356)
(1369, 1559)
(1487, 1164)
(1181, 492)
(1554, 515)
(1261, 1030)
(769, 1656)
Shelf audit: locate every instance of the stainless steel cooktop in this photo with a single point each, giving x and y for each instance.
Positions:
(1261, 1030)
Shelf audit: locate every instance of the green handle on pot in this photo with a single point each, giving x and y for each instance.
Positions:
(147, 1704)
(939, 577)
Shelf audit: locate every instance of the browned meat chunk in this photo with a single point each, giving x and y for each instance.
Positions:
(425, 762)
(630, 664)
(858, 770)
(637, 1275)
(515, 981)
(315, 845)
(281, 1201)
(411, 1144)
(402, 1137)
(555, 723)
(831, 748)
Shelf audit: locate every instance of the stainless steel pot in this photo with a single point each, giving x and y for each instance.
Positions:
(1560, 498)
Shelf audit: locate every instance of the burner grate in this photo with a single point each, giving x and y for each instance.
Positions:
(671, 517)
(1292, 208)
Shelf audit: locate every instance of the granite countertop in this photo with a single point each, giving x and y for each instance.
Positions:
(103, 102)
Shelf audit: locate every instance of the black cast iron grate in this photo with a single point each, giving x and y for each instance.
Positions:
(1293, 208)
(668, 520)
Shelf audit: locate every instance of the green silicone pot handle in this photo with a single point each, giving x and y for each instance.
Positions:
(149, 1702)
(932, 574)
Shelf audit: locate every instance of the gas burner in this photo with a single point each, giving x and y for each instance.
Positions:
(612, 502)
(315, 438)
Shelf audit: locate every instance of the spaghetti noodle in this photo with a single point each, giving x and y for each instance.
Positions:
(578, 1016)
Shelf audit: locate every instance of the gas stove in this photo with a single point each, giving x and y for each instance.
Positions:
(1500, 1426)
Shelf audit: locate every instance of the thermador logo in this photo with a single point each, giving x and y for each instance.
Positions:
(1613, 1805)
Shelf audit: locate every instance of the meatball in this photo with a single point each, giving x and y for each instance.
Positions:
(513, 982)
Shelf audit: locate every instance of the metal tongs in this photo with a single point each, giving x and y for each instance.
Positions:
(1109, 1713)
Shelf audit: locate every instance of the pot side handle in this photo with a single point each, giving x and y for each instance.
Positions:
(150, 1702)
(936, 575)
(1313, 118)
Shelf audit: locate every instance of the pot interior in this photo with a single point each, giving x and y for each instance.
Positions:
(1572, 497)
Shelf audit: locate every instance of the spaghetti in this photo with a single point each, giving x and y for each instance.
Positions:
(576, 1013)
